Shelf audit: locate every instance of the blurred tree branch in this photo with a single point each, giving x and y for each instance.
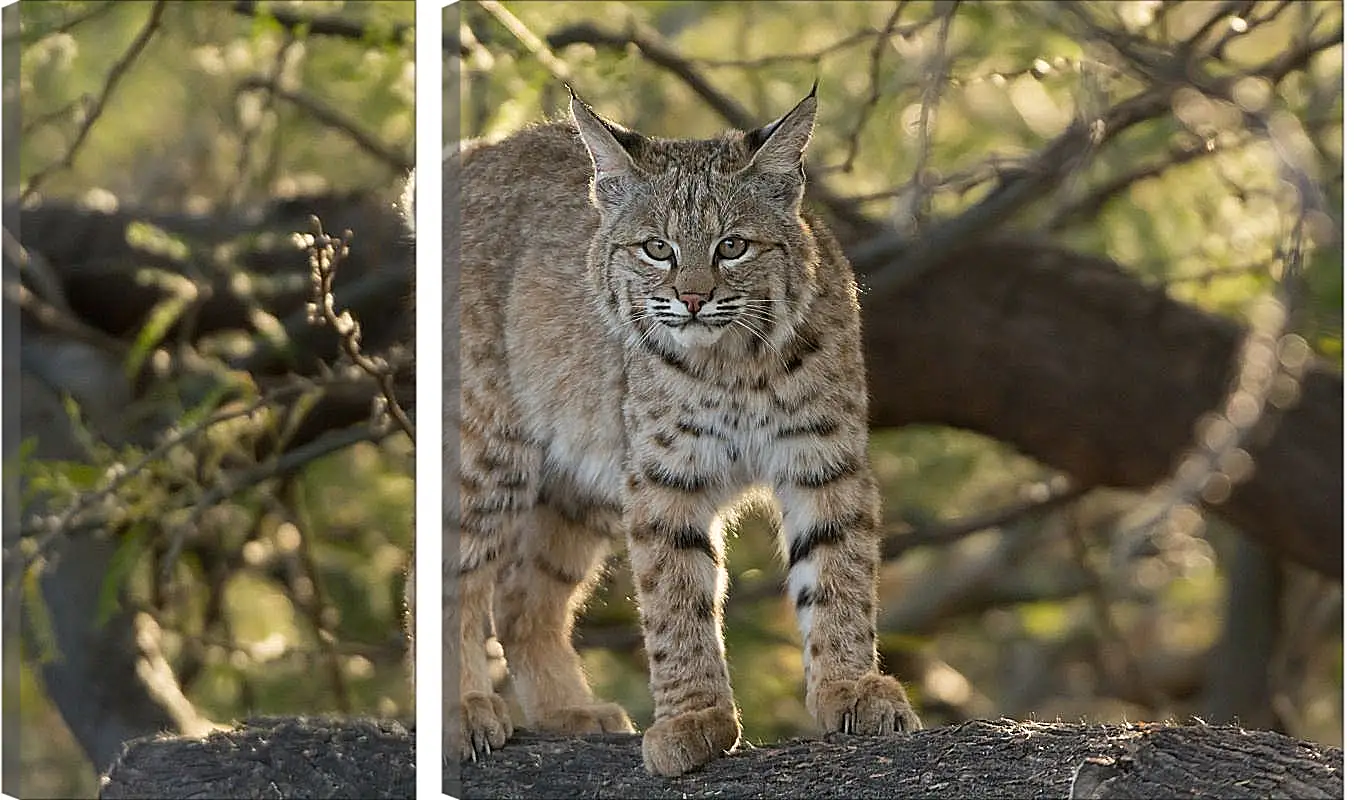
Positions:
(66, 26)
(398, 162)
(396, 33)
(96, 107)
(1079, 365)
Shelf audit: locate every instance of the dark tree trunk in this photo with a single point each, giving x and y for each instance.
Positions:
(1079, 365)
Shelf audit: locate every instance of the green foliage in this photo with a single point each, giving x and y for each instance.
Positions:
(38, 617)
(132, 547)
(198, 140)
(257, 585)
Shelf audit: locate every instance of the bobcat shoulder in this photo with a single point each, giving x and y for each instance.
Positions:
(646, 329)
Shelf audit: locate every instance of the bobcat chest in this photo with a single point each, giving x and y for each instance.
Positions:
(724, 438)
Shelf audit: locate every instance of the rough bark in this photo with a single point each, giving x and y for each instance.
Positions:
(270, 758)
(989, 759)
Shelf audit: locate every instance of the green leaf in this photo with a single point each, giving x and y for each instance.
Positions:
(158, 322)
(296, 414)
(265, 24)
(81, 477)
(120, 567)
(79, 429)
(209, 404)
(151, 239)
(39, 619)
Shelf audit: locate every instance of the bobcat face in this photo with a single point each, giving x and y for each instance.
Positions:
(695, 283)
(700, 240)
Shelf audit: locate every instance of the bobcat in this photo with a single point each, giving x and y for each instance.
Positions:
(647, 329)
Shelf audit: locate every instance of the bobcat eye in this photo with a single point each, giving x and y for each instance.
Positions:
(658, 250)
(731, 247)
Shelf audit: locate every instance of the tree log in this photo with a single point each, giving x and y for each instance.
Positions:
(988, 759)
(270, 757)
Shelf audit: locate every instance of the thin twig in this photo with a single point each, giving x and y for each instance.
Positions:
(250, 132)
(326, 253)
(1251, 24)
(878, 258)
(539, 49)
(317, 608)
(1087, 206)
(42, 535)
(1270, 364)
(872, 100)
(1225, 11)
(653, 48)
(395, 159)
(115, 76)
(279, 467)
(38, 270)
(48, 117)
(920, 195)
(815, 56)
(231, 644)
(1054, 495)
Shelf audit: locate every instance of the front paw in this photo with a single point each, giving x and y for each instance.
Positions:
(873, 704)
(688, 740)
(592, 718)
(484, 725)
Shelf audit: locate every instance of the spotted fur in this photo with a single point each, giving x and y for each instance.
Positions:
(646, 329)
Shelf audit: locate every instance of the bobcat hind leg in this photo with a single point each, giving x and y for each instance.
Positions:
(540, 586)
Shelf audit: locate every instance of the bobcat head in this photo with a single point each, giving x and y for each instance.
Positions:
(701, 242)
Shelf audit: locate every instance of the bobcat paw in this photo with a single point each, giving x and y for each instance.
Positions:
(485, 724)
(873, 704)
(688, 740)
(592, 718)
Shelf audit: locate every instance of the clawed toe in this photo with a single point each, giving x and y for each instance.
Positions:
(485, 725)
(874, 704)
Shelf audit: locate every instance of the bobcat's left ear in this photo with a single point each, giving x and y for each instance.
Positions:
(603, 140)
(779, 147)
(615, 174)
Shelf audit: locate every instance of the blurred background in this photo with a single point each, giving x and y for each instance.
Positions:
(215, 521)
(1099, 244)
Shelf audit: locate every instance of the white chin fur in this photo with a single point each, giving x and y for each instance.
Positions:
(693, 335)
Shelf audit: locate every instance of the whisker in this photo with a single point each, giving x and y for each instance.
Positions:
(771, 347)
(752, 314)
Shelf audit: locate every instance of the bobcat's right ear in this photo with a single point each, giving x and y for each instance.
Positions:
(779, 148)
(603, 140)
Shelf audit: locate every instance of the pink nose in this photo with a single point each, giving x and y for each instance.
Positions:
(693, 302)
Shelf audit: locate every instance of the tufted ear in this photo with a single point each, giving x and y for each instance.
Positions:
(615, 174)
(779, 148)
(603, 140)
